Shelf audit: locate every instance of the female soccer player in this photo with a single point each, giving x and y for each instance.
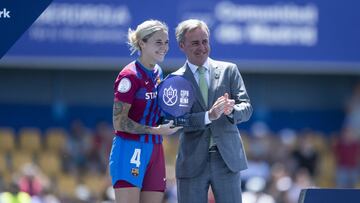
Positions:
(137, 165)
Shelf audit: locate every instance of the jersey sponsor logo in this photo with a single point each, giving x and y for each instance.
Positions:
(124, 85)
(150, 95)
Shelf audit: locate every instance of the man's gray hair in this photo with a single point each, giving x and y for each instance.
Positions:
(189, 25)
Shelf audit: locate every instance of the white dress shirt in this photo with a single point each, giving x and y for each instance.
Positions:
(193, 69)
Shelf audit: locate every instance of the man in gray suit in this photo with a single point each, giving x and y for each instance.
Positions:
(211, 152)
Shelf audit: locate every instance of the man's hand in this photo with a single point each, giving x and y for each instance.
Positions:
(229, 104)
(217, 109)
(223, 105)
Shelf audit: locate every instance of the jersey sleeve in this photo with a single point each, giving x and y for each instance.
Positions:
(125, 88)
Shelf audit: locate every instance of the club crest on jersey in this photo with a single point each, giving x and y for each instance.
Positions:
(135, 171)
(158, 80)
(170, 96)
(124, 85)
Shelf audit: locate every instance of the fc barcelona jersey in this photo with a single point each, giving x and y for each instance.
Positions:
(137, 86)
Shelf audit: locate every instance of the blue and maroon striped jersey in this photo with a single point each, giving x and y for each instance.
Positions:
(137, 86)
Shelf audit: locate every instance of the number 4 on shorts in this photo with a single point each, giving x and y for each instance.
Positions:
(135, 159)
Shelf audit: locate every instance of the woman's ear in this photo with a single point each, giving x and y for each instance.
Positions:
(141, 44)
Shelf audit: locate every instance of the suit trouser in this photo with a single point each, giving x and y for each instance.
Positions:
(225, 184)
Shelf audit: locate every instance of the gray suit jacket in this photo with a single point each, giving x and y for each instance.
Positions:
(194, 139)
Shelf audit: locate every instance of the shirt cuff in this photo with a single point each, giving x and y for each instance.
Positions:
(207, 119)
(231, 115)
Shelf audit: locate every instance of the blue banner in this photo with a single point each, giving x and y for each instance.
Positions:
(16, 16)
(305, 34)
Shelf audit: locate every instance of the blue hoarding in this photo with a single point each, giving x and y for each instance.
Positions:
(266, 34)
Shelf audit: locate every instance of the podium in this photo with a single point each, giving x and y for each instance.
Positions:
(320, 195)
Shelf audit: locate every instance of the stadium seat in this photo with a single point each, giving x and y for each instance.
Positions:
(55, 139)
(50, 163)
(19, 159)
(7, 140)
(66, 185)
(95, 183)
(327, 166)
(30, 140)
(3, 163)
(6, 178)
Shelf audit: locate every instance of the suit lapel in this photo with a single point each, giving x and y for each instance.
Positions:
(197, 93)
(214, 80)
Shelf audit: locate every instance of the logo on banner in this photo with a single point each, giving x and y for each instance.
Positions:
(5, 13)
(15, 20)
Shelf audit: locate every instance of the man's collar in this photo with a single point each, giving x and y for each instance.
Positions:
(193, 67)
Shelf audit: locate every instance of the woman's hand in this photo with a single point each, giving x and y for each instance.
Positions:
(167, 129)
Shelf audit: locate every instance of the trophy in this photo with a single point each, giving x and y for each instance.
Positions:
(176, 97)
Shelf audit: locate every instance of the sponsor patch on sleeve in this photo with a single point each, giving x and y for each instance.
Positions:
(124, 85)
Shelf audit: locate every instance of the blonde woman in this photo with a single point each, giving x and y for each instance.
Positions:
(137, 166)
